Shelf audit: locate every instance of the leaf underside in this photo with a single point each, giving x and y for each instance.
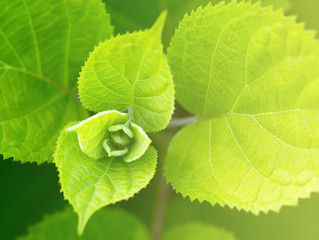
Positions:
(106, 224)
(42, 46)
(253, 74)
(90, 184)
(131, 71)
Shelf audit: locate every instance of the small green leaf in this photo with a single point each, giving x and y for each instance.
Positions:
(106, 224)
(113, 150)
(90, 184)
(198, 231)
(131, 71)
(94, 130)
(42, 46)
(257, 77)
(110, 133)
(139, 144)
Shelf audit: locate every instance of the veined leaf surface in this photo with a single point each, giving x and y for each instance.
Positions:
(253, 74)
(89, 183)
(131, 72)
(42, 46)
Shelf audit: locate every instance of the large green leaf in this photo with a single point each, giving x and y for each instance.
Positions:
(198, 231)
(254, 75)
(42, 46)
(131, 71)
(178, 8)
(216, 64)
(106, 224)
(89, 184)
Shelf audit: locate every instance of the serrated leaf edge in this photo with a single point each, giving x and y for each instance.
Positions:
(79, 230)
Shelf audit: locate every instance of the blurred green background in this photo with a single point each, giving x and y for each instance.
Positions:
(29, 191)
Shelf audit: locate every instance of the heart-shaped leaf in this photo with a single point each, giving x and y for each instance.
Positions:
(253, 74)
(91, 181)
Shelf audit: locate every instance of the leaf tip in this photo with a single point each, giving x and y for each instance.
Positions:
(160, 22)
(81, 225)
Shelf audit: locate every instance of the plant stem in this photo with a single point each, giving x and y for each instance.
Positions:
(163, 190)
(160, 209)
(130, 113)
(180, 122)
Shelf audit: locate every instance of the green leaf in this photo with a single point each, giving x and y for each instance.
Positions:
(178, 8)
(139, 144)
(257, 84)
(110, 133)
(90, 184)
(198, 231)
(40, 57)
(213, 62)
(131, 72)
(94, 130)
(106, 224)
